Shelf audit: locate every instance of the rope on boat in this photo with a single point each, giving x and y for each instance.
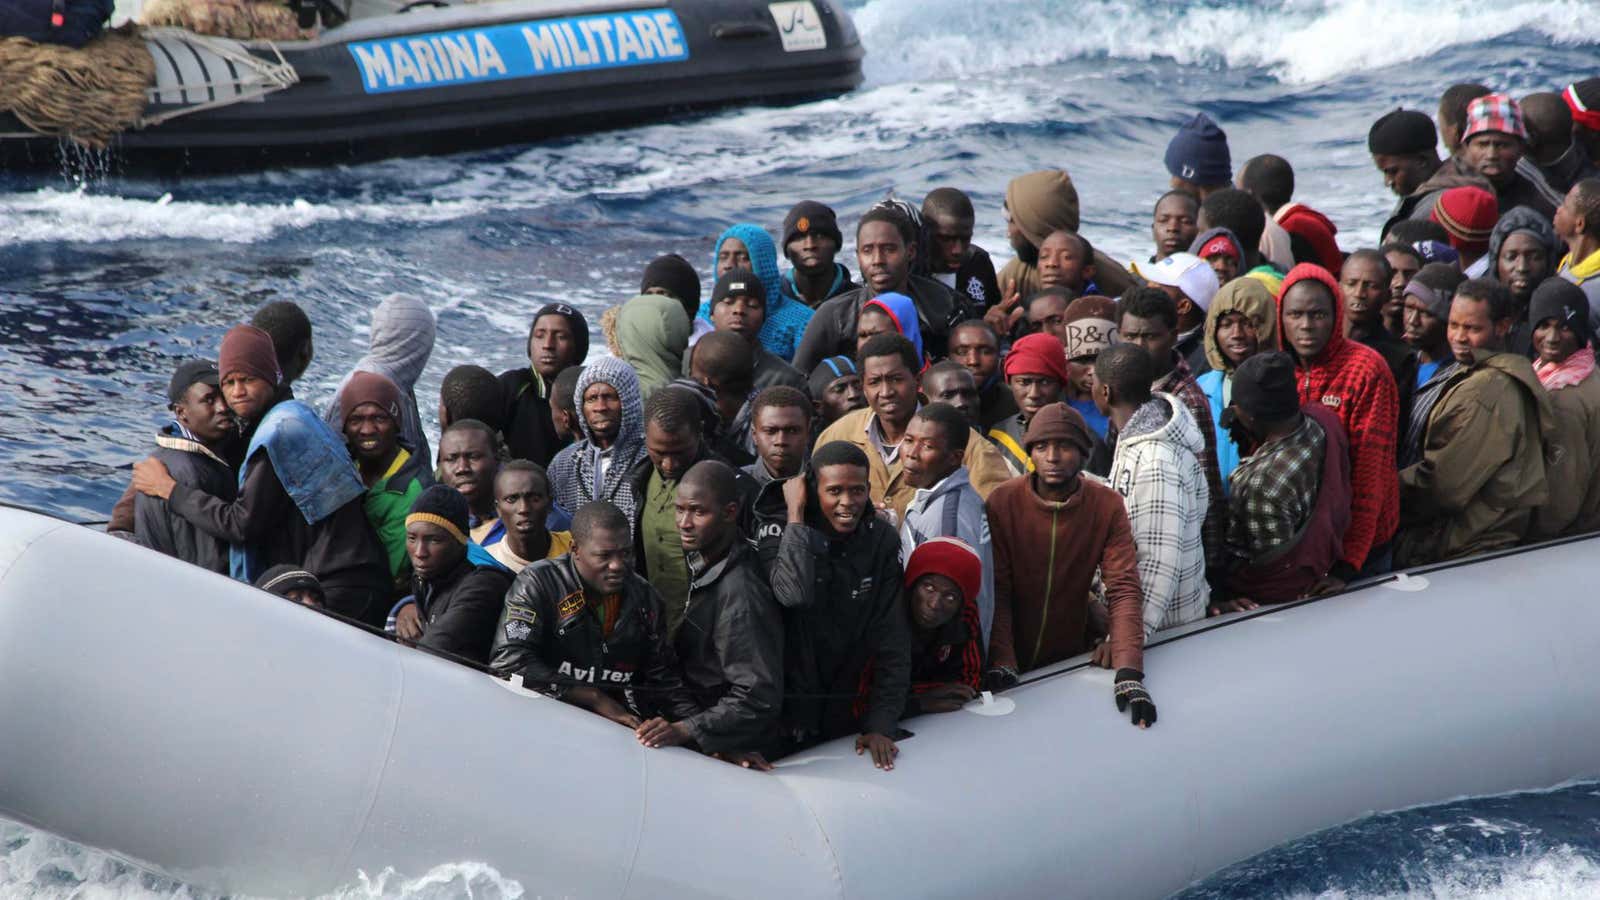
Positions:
(89, 95)
(267, 77)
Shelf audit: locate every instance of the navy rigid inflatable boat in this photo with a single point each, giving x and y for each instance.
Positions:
(406, 78)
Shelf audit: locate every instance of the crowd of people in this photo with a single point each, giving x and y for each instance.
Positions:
(803, 508)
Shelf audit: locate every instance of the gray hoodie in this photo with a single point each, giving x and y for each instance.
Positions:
(403, 331)
(953, 508)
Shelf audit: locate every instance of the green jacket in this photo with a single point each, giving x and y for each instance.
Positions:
(1483, 471)
(388, 502)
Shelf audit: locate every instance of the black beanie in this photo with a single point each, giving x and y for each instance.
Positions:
(1264, 386)
(286, 577)
(673, 274)
(1402, 133)
(444, 506)
(580, 325)
(1560, 299)
(810, 216)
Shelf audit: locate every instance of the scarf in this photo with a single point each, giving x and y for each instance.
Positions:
(1555, 376)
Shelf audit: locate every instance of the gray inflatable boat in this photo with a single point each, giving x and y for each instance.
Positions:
(221, 735)
(407, 77)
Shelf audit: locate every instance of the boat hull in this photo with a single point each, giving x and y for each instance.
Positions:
(236, 741)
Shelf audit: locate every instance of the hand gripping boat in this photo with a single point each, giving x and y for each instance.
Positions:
(247, 745)
(405, 78)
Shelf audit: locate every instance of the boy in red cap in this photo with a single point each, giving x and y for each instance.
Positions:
(1036, 371)
(943, 576)
(1467, 215)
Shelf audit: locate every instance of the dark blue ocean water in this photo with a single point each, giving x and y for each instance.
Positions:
(106, 282)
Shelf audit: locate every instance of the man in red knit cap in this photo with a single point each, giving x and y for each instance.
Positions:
(1036, 371)
(1467, 215)
(943, 577)
(1354, 382)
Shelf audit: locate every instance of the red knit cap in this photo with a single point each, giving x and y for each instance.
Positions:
(248, 350)
(369, 387)
(954, 559)
(1038, 354)
(1468, 215)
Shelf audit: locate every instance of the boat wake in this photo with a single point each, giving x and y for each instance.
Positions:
(44, 867)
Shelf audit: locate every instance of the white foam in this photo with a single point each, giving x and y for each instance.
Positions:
(1299, 41)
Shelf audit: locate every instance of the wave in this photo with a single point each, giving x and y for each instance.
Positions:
(1297, 41)
(41, 866)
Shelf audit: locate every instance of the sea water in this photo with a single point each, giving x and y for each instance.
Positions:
(106, 282)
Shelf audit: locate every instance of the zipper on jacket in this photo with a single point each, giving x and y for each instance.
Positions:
(1049, 586)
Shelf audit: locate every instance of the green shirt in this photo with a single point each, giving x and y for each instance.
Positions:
(663, 550)
(387, 504)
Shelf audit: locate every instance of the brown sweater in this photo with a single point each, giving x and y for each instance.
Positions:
(1045, 556)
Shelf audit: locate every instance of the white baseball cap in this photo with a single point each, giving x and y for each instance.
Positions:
(1188, 273)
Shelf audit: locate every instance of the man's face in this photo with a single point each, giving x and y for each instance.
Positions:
(672, 452)
(955, 387)
(813, 253)
(1403, 174)
(1174, 226)
(1225, 265)
(205, 413)
(730, 397)
(1523, 263)
(743, 314)
(884, 258)
(1423, 329)
(433, 551)
(1080, 375)
(1405, 267)
(1056, 463)
(604, 559)
(248, 396)
(844, 395)
(926, 457)
(1472, 328)
(1237, 337)
(780, 434)
(1033, 392)
(733, 254)
(469, 465)
(552, 346)
(1048, 314)
(304, 597)
(1018, 241)
(842, 496)
(1062, 262)
(891, 387)
(1554, 341)
(371, 433)
(522, 500)
(1493, 155)
(1365, 289)
(977, 349)
(1307, 318)
(935, 600)
(871, 323)
(703, 523)
(602, 411)
(1154, 335)
(1566, 218)
(952, 237)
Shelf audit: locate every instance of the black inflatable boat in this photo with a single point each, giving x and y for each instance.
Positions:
(426, 76)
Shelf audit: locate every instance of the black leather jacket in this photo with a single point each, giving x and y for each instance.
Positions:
(731, 648)
(551, 634)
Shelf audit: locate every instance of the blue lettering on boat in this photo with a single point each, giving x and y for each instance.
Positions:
(520, 50)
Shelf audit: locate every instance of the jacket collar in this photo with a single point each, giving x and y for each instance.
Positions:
(172, 439)
(950, 484)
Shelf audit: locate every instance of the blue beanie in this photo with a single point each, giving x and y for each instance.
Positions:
(1199, 153)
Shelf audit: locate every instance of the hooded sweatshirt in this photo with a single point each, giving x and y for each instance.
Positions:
(1315, 229)
(529, 430)
(403, 330)
(1585, 273)
(653, 332)
(581, 472)
(1157, 471)
(1040, 203)
(1353, 380)
(786, 318)
(903, 312)
(1482, 473)
(1251, 297)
